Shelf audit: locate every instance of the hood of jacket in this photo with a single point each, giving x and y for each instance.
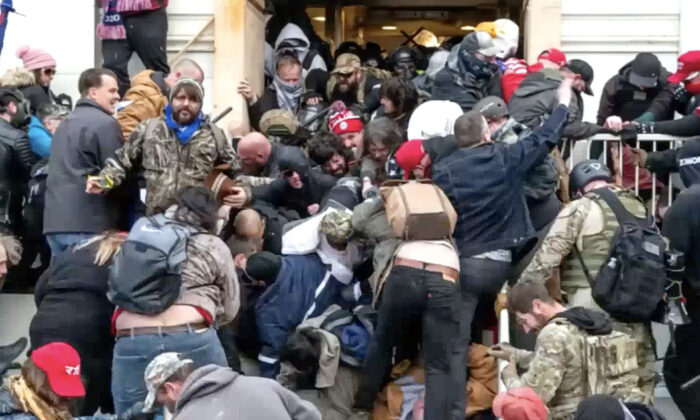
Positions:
(536, 83)
(205, 381)
(17, 78)
(592, 322)
(36, 124)
(292, 31)
(292, 158)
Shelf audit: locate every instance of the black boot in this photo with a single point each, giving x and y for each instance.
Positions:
(10, 352)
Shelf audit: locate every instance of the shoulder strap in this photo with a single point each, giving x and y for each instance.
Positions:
(306, 64)
(621, 214)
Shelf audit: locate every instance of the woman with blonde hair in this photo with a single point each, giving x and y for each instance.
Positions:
(72, 307)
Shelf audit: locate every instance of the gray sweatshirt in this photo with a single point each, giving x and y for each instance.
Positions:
(215, 392)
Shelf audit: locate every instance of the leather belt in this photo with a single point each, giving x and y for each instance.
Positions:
(129, 332)
(448, 273)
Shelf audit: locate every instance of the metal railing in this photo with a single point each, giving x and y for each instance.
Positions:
(582, 151)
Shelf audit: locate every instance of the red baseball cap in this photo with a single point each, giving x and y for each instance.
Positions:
(687, 63)
(61, 364)
(345, 122)
(554, 55)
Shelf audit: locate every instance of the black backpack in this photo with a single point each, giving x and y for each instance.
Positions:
(33, 211)
(630, 284)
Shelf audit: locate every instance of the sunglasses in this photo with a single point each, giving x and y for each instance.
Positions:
(49, 72)
(287, 174)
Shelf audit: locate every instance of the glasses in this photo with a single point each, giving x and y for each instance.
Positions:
(49, 72)
(287, 174)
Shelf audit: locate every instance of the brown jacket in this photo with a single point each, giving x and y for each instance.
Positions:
(147, 101)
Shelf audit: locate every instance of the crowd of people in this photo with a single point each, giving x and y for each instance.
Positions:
(360, 240)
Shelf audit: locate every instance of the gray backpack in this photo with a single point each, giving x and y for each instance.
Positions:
(145, 276)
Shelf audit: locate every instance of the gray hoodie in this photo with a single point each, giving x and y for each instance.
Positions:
(215, 392)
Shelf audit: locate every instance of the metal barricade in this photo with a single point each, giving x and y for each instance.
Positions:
(610, 140)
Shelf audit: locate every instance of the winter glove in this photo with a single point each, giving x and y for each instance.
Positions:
(511, 370)
(681, 95)
(502, 351)
(644, 128)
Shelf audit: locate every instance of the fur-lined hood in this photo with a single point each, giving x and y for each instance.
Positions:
(17, 78)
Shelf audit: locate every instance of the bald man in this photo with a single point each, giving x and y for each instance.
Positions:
(259, 160)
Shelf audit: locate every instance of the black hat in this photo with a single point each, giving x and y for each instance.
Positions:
(600, 407)
(587, 171)
(645, 70)
(492, 108)
(584, 70)
(263, 266)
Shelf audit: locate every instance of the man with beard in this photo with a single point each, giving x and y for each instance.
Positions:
(176, 150)
(327, 151)
(301, 188)
(558, 368)
(353, 84)
(283, 93)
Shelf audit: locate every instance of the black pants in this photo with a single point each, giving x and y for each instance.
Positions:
(418, 298)
(479, 280)
(684, 367)
(147, 35)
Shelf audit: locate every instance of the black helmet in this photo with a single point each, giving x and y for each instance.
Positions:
(585, 172)
(403, 54)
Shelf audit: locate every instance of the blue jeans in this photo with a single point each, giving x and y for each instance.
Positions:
(62, 242)
(133, 353)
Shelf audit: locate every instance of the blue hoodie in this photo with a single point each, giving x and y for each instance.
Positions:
(39, 137)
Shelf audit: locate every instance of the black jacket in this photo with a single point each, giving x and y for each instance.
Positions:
(535, 98)
(16, 160)
(79, 148)
(265, 103)
(38, 95)
(72, 305)
(682, 228)
(485, 185)
(464, 88)
(316, 184)
(622, 98)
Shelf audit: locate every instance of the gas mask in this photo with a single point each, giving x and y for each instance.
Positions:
(20, 118)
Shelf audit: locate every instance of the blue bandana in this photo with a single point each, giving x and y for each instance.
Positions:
(182, 132)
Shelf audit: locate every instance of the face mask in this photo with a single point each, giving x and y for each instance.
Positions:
(21, 117)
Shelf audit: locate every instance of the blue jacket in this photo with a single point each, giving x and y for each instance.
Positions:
(304, 289)
(485, 185)
(39, 137)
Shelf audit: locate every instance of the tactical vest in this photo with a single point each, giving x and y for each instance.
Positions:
(595, 248)
(360, 93)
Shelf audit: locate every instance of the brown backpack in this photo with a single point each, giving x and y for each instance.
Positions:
(418, 210)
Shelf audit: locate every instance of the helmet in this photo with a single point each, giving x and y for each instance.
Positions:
(337, 226)
(403, 54)
(585, 172)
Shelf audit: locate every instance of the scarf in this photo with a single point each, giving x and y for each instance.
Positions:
(29, 402)
(341, 262)
(468, 64)
(287, 94)
(112, 26)
(182, 132)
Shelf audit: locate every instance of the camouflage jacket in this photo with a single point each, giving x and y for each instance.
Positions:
(578, 219)
(555, 369)
(167, 165)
